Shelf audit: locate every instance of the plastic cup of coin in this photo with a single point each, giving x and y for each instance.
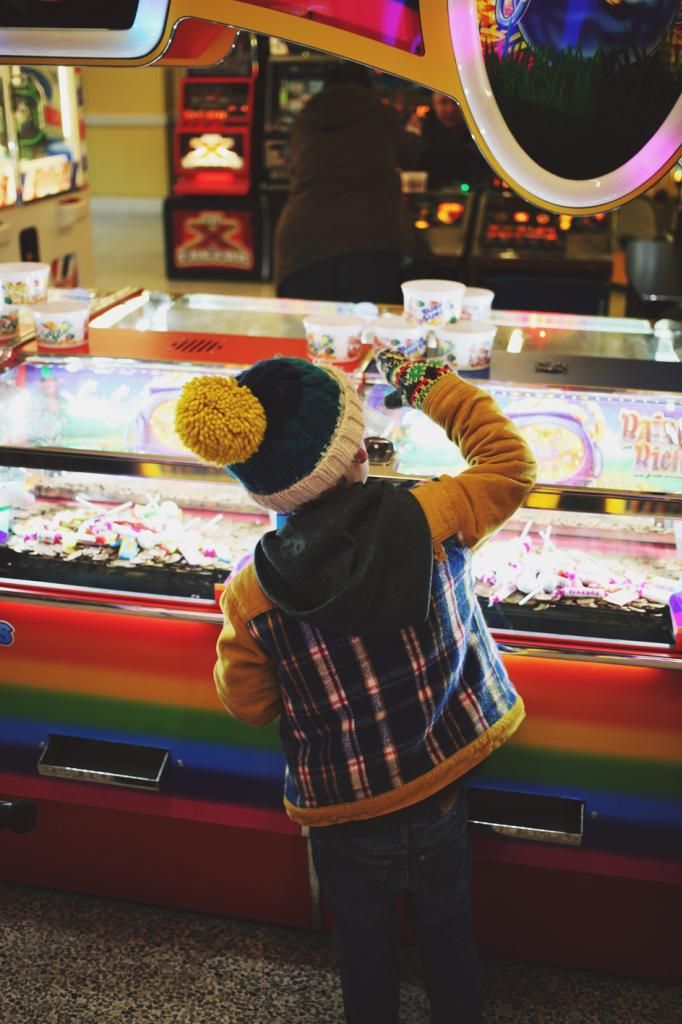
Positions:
(467, 344)
(23, 283)
(395, 333)
(477, 304)
(431, 302)
(333, 337)
(9, 323)
(60, 326)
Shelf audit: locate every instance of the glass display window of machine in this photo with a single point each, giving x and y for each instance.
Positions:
(597, 552)
(143, 532)
(46, 129)
(102, 494)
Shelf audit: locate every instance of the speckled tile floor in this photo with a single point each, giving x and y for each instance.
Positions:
(69, 959)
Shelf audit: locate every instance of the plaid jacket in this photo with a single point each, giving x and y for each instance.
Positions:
(369, 725)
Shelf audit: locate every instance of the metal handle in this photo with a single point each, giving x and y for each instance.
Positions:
(105, 762)
(533, 816)
(551, 366)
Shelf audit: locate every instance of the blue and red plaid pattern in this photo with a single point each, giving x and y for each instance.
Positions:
(363, 716)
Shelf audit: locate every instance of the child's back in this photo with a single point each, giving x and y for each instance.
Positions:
(358, 625)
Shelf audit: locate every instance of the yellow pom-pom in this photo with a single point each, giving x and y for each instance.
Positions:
(219, 420)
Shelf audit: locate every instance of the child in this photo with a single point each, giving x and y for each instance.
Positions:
(357, 624)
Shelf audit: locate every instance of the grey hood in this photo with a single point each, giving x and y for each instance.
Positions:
(357, 563)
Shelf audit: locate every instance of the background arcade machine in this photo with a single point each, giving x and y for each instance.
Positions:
(213, 221)
(438, 210)
(439, 225)
(534, 259)
(437, 222)
(45, 209)
(293, 75)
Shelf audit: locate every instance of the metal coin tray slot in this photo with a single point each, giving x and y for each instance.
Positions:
(543, 819)
(550, 366)
(104, 762)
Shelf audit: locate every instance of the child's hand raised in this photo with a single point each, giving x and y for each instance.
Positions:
(412, 380)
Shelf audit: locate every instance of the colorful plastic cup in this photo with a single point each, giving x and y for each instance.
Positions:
(9, 323)
(23, 283)
(60, 325)
(333, 337)
(467, 344)
(395, 333)
(477, 304)
(431, 302)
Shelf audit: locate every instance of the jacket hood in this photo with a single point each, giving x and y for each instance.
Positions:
(356, 564)
(338, 106)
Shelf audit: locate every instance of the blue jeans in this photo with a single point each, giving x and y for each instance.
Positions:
(423, 849)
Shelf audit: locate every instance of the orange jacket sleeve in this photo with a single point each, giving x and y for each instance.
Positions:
(501, 467)
(245, 677)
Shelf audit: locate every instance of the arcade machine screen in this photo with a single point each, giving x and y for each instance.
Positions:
(507, 222)
(291, 83)
(292, 96)
(537, 260)
(216, 100)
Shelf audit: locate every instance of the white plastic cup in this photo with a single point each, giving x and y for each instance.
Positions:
(60, 325)
(395, 333)
(23, 283)
(431, 302)
(333, 337)
(477, 304)
(468, 344)
(9, 322)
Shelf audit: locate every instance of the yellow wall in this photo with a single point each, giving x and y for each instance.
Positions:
(126, 159)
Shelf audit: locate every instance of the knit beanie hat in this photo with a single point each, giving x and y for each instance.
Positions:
(288, 430)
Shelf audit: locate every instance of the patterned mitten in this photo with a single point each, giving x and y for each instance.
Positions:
(412, 381)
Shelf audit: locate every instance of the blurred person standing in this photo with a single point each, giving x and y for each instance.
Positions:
(449, 155)
(339, 236)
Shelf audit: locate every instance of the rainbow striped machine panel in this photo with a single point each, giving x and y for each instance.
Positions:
(607, 734)
(144, 680)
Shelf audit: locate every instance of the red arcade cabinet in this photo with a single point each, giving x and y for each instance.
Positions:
(212, 220)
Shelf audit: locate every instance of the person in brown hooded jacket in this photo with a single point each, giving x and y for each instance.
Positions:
(339, 236)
